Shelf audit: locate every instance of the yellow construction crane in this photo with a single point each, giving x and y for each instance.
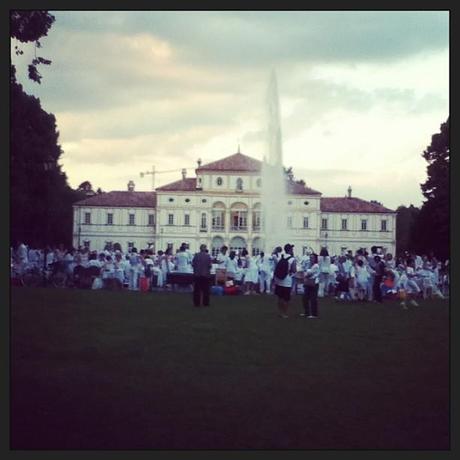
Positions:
(153, 172)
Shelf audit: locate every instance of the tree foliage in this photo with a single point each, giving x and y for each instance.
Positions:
(434, 217)
(40, 198)
(39, 195)
(406, 220)
(29, 26)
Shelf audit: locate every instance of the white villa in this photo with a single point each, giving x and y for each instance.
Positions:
(221, 205)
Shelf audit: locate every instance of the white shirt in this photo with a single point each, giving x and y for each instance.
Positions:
(222, 260)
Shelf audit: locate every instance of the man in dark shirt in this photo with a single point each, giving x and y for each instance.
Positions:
(378, 278)
(201, 264)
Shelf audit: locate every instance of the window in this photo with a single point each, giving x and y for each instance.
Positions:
(323, 224)
(217, 220)
(109, 218)
(383, 225)
(344, 224)
(363, 224)
(219, 181)
(305, 203)
(187, 219)
(132, 219)
(187, 200)
(259, 182)
(151, 219)
(289, 222)
(239, 184)
(87, 218)
(171, 200)
(289, 203)
(170, 219)
(305, 222)
(256, 220)
(239, 220)
(203, 223)
(204, 200)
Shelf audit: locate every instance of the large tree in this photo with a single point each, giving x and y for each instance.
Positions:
(40, 198)
(406, 220)
(434, 218)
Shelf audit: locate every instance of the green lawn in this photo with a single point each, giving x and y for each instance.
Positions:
(129, 370)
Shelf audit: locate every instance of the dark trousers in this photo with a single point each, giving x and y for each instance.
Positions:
(376, 291)
(310, 300)
(200, 290)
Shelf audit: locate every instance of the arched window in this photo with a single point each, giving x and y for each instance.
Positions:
(216, 244)
(239, 184)
(203, 222)
(218, 216)
(237, 244)
(256, 246)
(239, 217)
(256, 217)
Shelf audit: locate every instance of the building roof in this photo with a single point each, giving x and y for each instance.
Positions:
(299, 189)
(121, 199)
(183, 185)
(235, 162)
(346, 204)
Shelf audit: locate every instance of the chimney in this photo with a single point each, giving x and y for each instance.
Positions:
(199, 162)
(349, 191)
(184, 174)
(130, 186)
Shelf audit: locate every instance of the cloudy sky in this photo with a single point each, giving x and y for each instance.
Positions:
(361, 94)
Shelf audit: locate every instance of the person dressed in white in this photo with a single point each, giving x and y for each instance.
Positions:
(166, 265)
(118, 268)
(324, 262)
(222, 257)
(251, 275)
(22, 257)
(231, 265)
(362, 280)
(134, 270)
(182, 260)
(265, 274)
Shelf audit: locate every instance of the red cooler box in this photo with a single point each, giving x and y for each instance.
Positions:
(144, 284)
(231, 290)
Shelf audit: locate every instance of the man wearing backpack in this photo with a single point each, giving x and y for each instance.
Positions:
(284, 269)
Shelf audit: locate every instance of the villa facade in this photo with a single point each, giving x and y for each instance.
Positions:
(222, 205)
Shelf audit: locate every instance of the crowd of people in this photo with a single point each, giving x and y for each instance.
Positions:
(361, 276)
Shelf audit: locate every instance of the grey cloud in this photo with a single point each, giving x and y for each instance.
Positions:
(267, 38)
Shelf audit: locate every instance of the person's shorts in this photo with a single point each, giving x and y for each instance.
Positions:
(283, 292)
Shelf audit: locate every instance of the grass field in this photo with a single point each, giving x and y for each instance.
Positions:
(106, 370)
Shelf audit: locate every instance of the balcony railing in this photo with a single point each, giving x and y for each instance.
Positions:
(217, 227)
(239, 228)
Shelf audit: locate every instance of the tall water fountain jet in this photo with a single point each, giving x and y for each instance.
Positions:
(274, 194)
